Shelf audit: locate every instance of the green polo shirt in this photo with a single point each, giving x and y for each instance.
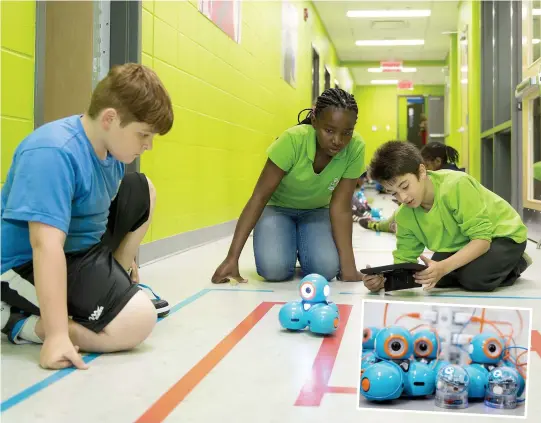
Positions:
(463, 210)
(301, 188)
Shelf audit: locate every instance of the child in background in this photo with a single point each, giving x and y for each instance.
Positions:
(478, 239)
(436, 156)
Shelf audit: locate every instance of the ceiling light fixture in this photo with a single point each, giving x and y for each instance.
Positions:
(384, 82)
(388, 13)
(380, 70)
(386, 43)
(536, 41)
(536, 12)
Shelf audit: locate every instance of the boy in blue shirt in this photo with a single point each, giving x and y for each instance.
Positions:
(72, 222)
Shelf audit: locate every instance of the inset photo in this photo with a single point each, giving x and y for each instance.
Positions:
(444, 358)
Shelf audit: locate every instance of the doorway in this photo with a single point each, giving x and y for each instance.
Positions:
(64, 65)
(315, 75)
(327, 79)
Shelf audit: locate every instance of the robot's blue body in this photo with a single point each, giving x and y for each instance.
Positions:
(314, 310)
(391, 372)
(369, 339)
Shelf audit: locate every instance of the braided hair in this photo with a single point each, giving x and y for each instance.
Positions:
(331, 97)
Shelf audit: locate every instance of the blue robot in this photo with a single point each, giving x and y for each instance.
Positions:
(369, 337)
(376, 214)
(367, 360)
(392, 373)
(382, 381)
(394, 343)
(313, 311)
(420, 380)
(502, 388)
(426, 345)
(486, 349)
(452, 387)
(478, 381)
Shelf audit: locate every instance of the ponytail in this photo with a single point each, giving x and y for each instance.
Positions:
(452, 154)
(438, 150)
(307, 120)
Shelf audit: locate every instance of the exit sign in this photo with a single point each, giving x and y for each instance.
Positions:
(390, 66)
(405, 85)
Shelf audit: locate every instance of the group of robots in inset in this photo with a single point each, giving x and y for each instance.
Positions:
(399, 363)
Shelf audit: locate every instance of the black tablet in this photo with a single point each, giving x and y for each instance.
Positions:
(397, 276)
(401, 267)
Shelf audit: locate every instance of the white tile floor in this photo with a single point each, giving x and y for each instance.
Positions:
(260, 377)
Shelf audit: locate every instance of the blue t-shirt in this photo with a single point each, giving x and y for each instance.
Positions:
(56, 178)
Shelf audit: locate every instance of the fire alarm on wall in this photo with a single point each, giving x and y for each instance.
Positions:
(305, 14)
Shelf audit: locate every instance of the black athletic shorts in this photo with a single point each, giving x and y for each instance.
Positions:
(98, 287)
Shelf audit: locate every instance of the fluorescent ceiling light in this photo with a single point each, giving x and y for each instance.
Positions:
(536, 12)
(380, 70)
(380, 43)
(388, 13)
(384, 82)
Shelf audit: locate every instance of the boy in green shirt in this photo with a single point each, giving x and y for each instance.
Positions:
(301, 205)
(478, 239)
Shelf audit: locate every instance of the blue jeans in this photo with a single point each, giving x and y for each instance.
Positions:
(282, 234)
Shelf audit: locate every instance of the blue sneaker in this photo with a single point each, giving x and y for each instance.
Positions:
(162, 306)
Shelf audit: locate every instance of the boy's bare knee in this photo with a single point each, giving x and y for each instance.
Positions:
(134, 323)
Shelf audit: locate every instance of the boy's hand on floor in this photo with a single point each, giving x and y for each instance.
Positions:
(228, 270)
(58, 352)
(431, 275)
(373, 282)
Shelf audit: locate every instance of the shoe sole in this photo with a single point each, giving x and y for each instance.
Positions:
(162, 307)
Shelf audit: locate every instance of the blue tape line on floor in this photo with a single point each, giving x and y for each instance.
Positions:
(241, 290)
(61, 374)
(496, 297)
(500, 297)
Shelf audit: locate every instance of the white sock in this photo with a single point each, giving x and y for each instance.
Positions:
(28, 331)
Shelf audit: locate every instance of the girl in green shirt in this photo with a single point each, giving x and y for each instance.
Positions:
(301, 204)
(478, 239)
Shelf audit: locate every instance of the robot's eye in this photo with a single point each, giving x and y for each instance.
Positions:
(308, 291)
(366, 335)
(396, 346)
(493, 348)
(423, 347)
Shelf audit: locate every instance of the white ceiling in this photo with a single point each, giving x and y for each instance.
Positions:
(433, 75)
(344, 31)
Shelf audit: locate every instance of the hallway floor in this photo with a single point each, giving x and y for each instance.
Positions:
(221, 355)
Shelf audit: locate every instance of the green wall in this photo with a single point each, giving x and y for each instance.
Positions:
(230, 103)
(379, 106)
(18, 20)
(454, 138)
(468, 99)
